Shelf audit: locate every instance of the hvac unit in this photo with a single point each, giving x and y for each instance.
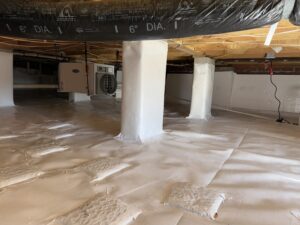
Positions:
(100, 79)
(106, 83)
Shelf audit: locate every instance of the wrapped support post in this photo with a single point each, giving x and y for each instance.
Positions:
(295, 16)
(144, 74)
(6, 79)
(204, 72)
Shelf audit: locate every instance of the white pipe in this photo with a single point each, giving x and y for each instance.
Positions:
(271, 34)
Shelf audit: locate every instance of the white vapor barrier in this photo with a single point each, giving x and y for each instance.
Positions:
(59, 126)
(204, 71)
(144, 72)
(6, 79)
(99, 169)
(102, 210)
(198, 200)
(5, 137)
(49, 151)
(18, 174)
(253, 92)
(179, 88)
(223, 84)
(253, 162)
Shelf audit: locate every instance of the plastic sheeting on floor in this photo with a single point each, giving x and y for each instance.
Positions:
(253, 162)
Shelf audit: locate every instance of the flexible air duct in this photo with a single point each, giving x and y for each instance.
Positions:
(295, 16)
(133, 19)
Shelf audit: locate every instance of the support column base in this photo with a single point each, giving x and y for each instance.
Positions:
(79, 97)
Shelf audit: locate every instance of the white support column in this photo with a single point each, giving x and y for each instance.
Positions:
(78, 97)
(144, 74)
(6, 79)
(204, 70)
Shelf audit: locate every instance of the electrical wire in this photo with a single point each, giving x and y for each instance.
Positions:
(271, 74)
(280, 119)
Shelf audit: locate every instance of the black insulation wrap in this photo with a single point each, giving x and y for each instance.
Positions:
(133, 19)
(295, 16)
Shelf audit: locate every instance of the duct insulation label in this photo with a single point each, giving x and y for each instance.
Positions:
(133, 19)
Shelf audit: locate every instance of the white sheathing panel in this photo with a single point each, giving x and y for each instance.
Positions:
(6, 79)
(252, 92)
(179, 88)
(144, 73)
(223, 89)
(256, 93)
(204, 70)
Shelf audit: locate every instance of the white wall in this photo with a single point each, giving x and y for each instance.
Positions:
(223, 88)
(253, 92)
(6, 79)
(179, 88)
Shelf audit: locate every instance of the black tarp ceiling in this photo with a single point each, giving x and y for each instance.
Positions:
(133, 19)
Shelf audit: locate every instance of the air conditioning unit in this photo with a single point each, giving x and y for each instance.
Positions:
(106, 83)
(100, 80)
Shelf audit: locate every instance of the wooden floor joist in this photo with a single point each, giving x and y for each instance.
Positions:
(236, 45)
